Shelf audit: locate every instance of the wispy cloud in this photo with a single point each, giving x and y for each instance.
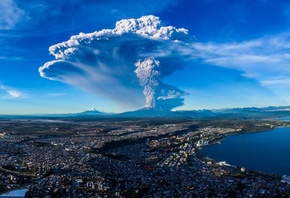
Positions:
(262, 59)
(12, 58)
(277, 81)
(11, 93)
(14, 93)
(10, 14)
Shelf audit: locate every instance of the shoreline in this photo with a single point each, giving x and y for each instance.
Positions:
(8, 193)
(216, 141)
(201, 156)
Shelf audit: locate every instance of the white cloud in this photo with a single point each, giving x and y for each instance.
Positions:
(11, 93)
(261, 59)
(277, 81)
(10, 14)
(14, 93)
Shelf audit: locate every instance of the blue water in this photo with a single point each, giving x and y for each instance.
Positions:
(14, 193)
(267, 151)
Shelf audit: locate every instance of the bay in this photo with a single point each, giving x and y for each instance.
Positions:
(266, 151)
(14, 193)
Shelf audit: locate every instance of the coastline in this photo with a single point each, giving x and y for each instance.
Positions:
(17, 192)
(201, 156)
(260, 130)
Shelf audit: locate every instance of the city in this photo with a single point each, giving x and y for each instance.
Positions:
(128, 158)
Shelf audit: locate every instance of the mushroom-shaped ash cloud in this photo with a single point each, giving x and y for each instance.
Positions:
(123, 62)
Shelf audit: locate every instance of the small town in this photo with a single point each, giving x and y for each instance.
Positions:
(128, 158)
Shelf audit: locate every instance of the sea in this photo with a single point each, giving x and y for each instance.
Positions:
(14, 193)
(265, 151)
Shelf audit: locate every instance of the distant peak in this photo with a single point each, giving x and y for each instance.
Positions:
(92, 109)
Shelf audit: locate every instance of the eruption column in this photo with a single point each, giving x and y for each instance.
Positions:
(150, 78)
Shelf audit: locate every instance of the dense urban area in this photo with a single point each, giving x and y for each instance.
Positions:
(128, 158)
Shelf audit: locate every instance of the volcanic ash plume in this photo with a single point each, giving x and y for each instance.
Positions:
(113, 63)
(150, 78)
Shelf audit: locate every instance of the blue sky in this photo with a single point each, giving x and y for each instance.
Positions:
(234, 54)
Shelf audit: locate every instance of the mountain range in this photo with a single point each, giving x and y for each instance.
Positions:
(247, 112)
(235, 113)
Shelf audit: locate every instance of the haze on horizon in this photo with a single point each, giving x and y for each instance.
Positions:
(170, 54)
